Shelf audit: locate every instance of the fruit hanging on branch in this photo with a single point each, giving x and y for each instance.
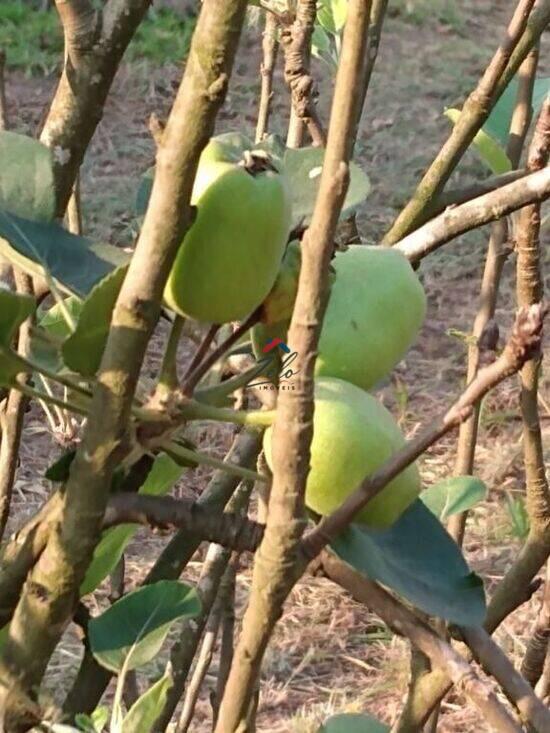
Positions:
(376, 308)
(230, 257)
(353, 434)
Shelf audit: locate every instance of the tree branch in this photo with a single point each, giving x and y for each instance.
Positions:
(522, 343)
(270, 46)
(496, 257)
(440, 653)
(475, 112)
(534, 187)
(277, 565)
(164, 512)
(296, 45)
(533, 662)
(516, 688)
(50, 594)
(94, 46)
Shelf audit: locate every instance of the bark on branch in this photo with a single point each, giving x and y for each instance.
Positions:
(534, 187)
(94, 46)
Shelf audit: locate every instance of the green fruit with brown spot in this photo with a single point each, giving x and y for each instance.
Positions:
(353, 435)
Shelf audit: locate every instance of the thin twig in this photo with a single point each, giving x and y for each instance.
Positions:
(475, 112)
(213, 570)
(523, 342)
(441, 654)
(533, 188)
(198, 372)
(270, 46)
(516, 688)
(11, 424)
(276, 566)
(496, 256)
(201, 351)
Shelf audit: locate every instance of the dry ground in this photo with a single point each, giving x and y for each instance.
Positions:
(329, 654)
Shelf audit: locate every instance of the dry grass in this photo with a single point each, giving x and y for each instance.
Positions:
(329, 654)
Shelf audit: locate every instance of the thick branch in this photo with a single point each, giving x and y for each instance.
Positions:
(270, 46)
(277, 565)
(533, 662)
(49, 597)
(164, 512)
(534, 187)
(296, 44)
(93, 51)
(517, 689)
(523, 342)
(475, 112)
(440, 653)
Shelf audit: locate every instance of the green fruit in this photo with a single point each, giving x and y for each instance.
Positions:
(279, 303)
(229, 258)
(376, 308)
(353, 434)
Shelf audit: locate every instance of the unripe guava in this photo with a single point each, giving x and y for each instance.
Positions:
(229, 258)
(375, 310)
(353, 435)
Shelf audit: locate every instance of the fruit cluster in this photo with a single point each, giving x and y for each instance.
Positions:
(235, 258)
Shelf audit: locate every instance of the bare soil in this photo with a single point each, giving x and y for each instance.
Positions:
(330, 654)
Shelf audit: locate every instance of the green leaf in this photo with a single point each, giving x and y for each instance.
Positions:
(59, 469)
(353, 723)
(498, 124)
(161, 478)
(14, 310)
(26, 177)
(94, 723)
(454, 495)
(332, 14)
(147, 709)
(45, 351)
(83, 350)
(303, 168)
(132, 631)
(419, 560)
(75, 263)
(491, 151)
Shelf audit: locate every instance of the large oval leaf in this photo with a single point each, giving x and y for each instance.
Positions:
(163, 475)
(146, 710)
(353, 723)
(26, 177)
(418, 559)
(454, 495)
(83, 350)
(490, 150)
(75, 263)
(303, 168)
(131, 632)
(498, 124)
(14, 309)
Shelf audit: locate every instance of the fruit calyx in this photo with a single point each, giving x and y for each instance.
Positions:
(256, 162)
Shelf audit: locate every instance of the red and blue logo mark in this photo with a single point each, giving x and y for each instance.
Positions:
(273, 344)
